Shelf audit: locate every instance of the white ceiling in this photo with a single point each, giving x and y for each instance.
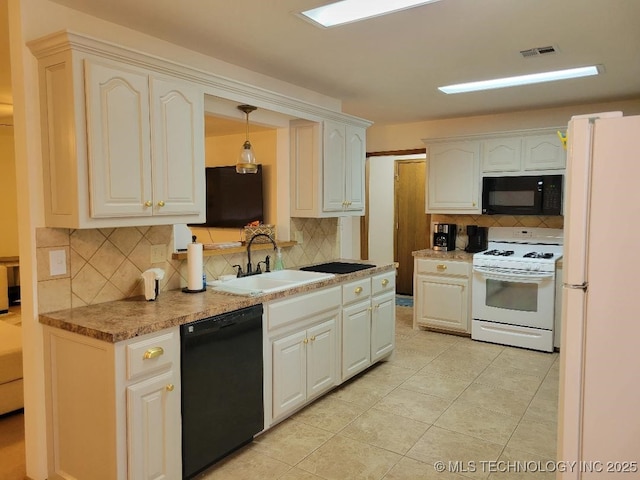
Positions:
(387, 69)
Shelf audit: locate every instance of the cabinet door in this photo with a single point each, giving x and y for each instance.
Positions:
(321, 357)
(501, 155)
(356, 338)
(543, 152)
(454, 178)
(442, 302)
(177, 113)
(383, 325)
(289, 373)
(354, 168)
(334, 166)
(153, 426)
(118, 136)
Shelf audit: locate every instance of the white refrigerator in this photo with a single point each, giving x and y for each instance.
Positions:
(599, 403)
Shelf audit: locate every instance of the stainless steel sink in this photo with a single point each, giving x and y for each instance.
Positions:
(270, 282)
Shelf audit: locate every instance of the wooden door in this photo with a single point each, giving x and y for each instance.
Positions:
(412, 224)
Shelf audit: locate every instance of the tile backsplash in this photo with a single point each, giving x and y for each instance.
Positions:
(530, 221)
(106, 264)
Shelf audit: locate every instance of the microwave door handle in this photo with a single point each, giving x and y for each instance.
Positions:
(494, 274)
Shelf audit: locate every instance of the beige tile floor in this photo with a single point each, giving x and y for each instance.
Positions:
(441, 398)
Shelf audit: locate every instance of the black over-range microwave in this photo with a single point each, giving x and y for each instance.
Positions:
(522, 195)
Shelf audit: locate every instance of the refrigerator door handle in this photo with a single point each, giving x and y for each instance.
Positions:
(581, 286)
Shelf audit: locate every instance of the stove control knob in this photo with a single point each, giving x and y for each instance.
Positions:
(536, 268)
(528, 267)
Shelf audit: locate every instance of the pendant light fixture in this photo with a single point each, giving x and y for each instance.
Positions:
(247, 161)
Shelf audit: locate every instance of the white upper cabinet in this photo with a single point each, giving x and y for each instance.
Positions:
(453, 179)
(122, 145)
(544, 152)
(501, 155)
(327, 169)
(522, 153)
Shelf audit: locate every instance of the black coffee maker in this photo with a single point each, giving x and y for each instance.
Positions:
(444, 236)
(478, 238)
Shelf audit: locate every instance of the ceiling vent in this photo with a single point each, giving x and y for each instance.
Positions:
(535, 52)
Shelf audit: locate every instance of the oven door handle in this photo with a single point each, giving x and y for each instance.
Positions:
(509, 275)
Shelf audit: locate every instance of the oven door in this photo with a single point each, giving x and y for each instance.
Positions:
(511, 297)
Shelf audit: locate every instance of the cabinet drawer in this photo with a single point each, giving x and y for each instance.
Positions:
(443, 267)
(152, 354)
(283, 312)
(383, 282)
(357, 290)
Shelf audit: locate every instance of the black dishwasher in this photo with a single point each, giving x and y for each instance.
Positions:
(222, 402)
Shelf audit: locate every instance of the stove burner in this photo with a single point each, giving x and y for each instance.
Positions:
(499, 253)
(538, 255)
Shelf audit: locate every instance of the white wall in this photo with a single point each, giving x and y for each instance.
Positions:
(381, 205)
(409, 135)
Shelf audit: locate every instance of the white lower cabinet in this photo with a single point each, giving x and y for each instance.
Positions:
(442, 290)
(368, 322)
(301, 338)
(356, 338)
(304, 366)
(314, 341)
(116, 406)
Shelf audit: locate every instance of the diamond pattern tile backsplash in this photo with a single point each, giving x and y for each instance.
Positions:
(103, 265)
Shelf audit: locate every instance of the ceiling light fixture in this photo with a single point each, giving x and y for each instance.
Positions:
(523, 79)
(347, 11)
(247, 161)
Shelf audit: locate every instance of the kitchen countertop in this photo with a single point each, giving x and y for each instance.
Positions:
(453, 255)
(124, 319)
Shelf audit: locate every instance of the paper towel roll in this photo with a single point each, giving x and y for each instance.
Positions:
(194, 266)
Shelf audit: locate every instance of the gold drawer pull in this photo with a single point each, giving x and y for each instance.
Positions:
(170, 387)
(441, 267)
(161, 203)
(305, 341)
(148, 203)
(385, 282)
(153, 353)
(358, 290)
(313, 339)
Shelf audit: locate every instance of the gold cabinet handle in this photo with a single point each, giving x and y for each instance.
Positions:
(170, 387)
(161, 203)
(358, 290)
(385, 282)
(313, 339)
(305, 341)
(369, 309)
(441, 267)
(148, 203)
(474, 204)
(153, 353)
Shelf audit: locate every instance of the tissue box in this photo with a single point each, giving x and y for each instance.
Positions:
(250, 232)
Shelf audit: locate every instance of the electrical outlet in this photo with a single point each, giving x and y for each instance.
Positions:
(461, 229)
(158, 253)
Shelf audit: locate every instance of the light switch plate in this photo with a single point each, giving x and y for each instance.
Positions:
(57, 262)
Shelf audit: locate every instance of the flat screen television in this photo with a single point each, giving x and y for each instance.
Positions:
(233, 199)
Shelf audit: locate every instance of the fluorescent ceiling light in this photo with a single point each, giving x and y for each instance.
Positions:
(348, 11)
(523, 79)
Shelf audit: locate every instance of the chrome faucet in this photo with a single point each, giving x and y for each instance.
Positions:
(249, 243)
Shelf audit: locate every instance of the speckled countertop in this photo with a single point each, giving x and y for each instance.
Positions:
(453, 255)
(128, 318)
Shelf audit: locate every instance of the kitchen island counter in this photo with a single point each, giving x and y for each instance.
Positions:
(128, 318)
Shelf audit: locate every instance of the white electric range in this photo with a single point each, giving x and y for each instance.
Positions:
(514, 286)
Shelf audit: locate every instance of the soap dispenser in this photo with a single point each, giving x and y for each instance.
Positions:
(152, 279)
(279, 263)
